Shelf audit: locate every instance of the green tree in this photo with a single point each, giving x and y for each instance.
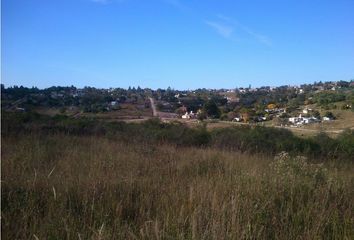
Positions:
(329, 115)
(201, 116)
(211, 109)
(316, 114)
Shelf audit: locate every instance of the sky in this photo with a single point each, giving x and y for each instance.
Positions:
(182, 44)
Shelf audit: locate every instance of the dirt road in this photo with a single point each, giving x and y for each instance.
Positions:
(312, 130)
(153, 107)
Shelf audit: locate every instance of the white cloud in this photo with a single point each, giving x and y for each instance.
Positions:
(259, 37)
(223, 30)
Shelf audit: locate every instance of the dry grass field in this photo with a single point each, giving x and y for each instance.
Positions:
(87, 187)
(126, 111)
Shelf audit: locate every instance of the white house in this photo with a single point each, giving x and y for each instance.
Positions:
(306, 110)
(303, 120)
(309, 120)
(293, 119)
(189, 115)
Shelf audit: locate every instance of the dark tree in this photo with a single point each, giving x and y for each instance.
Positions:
(212, 109)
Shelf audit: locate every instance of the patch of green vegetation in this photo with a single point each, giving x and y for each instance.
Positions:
(258, 139)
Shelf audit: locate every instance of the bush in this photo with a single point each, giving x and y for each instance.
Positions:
(346, 144)
(329, 115)
(293, 169)
(325, 98)
(212, 109)
(261, 140)
(243, 138)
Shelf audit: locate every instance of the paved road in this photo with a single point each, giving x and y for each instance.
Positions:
(154, 112)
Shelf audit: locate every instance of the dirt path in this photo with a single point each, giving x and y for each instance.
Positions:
(153, 107)
(298, 130)
(311, 130)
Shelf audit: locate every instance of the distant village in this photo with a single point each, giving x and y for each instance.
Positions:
(284, 105)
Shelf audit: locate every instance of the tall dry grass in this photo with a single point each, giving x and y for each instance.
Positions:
(67, 187)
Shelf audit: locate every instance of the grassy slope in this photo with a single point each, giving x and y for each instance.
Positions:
(126, 111)
(345, 120)
(66, 187)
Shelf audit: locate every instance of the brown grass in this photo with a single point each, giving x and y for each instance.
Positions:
(65, 187)
(126, 111)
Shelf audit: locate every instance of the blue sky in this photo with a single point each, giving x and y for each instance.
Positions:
(184, 44)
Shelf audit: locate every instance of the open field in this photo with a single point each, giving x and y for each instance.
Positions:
(332, 129)
(71, 187)
(126, 111)
(129, 113)
(344, 121)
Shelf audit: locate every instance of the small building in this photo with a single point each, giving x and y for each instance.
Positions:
(293, 119)
(310, 120)
(327, 119)
(262, 118)
(238, 119)
(302, 120)
(189, 115)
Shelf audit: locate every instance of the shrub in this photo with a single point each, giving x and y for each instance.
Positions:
(242, 138)
(290, 169)
(346, 144)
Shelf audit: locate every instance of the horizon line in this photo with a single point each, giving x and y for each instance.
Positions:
(178, 89)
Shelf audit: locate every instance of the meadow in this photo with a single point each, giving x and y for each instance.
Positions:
(62, 183)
